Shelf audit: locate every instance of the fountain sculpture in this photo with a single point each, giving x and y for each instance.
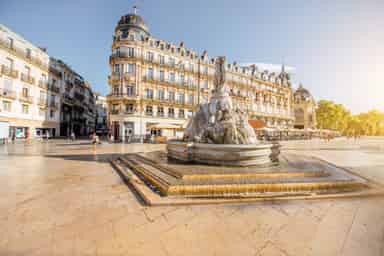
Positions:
(219, 133)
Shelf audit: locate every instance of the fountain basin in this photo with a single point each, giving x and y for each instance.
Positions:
(224, 154)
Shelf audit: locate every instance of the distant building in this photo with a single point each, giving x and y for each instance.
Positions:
(154, 82)
(29, 102)
(304, 109)
(101, 115)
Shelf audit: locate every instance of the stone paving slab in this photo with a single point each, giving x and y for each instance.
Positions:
(70, 202)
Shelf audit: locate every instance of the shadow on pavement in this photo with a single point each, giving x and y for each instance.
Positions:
(104, 158)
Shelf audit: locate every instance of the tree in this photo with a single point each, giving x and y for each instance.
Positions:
(332, 116)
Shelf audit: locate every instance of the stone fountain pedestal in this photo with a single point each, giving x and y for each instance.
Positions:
(224, 154)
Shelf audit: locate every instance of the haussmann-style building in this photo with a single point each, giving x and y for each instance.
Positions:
(29, 103)
(154, 82)
(41, 95)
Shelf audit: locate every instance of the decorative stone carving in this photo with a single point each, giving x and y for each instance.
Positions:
(219, 133)
(218, 122)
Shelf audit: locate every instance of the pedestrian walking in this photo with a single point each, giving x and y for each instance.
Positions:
(73, 137)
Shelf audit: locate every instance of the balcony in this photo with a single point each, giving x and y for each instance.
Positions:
(123, 55)
(129, 77)
(118, 96)
(68, 99)
(79, 96)
(6, 93)
(42, 102)
(26, 98)
(43, 84)
(115, 112)
(21, 53)
(54, 105)
(54, 88)
(7, 71)
(27, 78)
(157, 80)
(114, 78)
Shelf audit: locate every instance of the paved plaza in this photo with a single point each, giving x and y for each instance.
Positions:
(61, 198)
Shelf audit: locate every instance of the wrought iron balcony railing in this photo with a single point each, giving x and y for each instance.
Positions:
(27, 78)
(5, 70)
(7, 93)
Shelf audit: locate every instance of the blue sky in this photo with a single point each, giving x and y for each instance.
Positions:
(336, 47)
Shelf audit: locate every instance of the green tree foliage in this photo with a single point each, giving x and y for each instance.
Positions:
(334, 116)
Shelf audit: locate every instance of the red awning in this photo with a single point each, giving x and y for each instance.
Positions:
(256, 124)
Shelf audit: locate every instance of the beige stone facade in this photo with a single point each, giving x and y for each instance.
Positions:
(28, 101)
(156, 82)
(304, 109)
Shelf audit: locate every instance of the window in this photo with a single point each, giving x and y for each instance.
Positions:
(131, 68)
(172, 77)
(116, 90)
(7, 106)
(9, 63)
(171, 96)
(191, 67)
(181, 113)
(180, 98)
(130, 90)
(205, 86)
(161, 59)
(148, 110)
(28, 53)
(182, 79)
(41, 112)
(160, 111)
(150, 56)
(206, 70)
(118, 52)
(10, 42)
(150, 73)
(129, 108)
(162, 75)
(27, 71)
(115, 108)
(132, 37)
(131, 52)
(24, 109)
(191, 99)
(172, 62)
(160, 94)
(43, 96)
(52, 114)
(171, 112)
(25, 92)
(117, 68)
(7, 85)
(149, 94)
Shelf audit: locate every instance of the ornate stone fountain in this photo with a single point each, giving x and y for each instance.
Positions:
(219, 133)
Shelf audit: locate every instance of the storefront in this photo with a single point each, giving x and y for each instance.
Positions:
(43, 132)
(19, 132)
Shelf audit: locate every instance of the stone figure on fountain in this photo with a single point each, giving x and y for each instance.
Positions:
(218, 122)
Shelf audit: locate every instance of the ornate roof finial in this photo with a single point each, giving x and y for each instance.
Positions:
(135, 9)
(283, 66)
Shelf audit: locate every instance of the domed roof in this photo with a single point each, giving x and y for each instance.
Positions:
(302, 94)
(132, 21)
